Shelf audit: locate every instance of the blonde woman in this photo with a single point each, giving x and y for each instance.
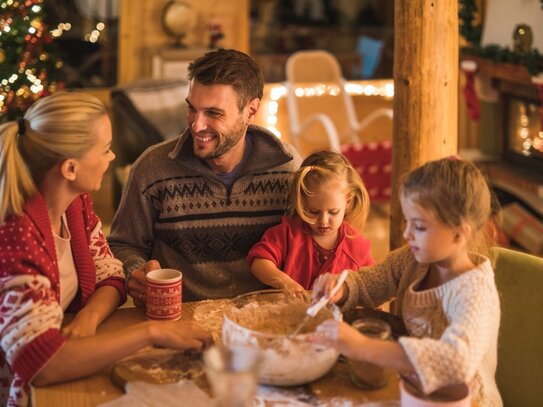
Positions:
(53, 254)
(328, 204)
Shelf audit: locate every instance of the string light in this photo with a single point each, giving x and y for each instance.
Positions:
(28, 70)
(377, 88)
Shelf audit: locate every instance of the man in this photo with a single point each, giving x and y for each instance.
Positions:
(198, 203)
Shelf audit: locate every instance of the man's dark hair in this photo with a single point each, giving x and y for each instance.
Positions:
(230, 67)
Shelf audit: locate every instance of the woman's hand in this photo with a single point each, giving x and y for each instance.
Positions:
(340, 336)
(323, 286)
(84, 324)
(137, 284)
(98, 307)
(181, 335)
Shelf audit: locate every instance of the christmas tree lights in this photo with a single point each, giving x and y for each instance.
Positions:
(29, 65)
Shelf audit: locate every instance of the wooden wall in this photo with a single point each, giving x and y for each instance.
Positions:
(141, 30)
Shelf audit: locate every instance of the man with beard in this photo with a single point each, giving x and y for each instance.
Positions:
(199, 202)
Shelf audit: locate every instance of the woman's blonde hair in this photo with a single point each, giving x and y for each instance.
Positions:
(53, 129)
(457, 192)
(320, 169)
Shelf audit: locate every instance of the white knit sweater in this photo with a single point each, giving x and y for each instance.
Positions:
(453, 328)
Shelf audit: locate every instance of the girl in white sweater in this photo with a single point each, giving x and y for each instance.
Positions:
(443, 284)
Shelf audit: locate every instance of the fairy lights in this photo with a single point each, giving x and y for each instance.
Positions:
(28, 65)
(377, 88)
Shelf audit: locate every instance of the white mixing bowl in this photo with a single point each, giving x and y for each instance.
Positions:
(287, 361)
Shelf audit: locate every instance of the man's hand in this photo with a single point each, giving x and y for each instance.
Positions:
(137, 284)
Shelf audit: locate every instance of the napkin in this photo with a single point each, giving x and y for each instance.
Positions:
(141, 394)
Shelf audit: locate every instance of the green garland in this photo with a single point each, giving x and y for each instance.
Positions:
(533, 60)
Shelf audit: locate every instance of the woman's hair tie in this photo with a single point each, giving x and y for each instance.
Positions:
(22, 126)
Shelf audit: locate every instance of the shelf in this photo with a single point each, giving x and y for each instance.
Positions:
(502, 71)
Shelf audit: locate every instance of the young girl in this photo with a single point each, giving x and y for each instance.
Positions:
(327, 200)
(445, 291)
(53, 254)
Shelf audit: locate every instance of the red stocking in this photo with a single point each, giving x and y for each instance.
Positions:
(470, 95)
(538, 80)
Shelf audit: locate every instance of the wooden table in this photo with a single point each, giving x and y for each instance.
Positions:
(99, 388)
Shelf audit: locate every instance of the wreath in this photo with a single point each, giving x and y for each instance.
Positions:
(467, 9)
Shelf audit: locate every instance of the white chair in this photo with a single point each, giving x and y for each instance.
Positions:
(329, 109)
(338, 118)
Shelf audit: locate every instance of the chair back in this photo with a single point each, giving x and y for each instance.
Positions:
(319, 108)
(519, 279)
(144, 113)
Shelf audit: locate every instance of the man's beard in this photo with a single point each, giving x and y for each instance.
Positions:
(227, 142)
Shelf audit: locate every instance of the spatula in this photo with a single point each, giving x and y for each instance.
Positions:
(320, 304)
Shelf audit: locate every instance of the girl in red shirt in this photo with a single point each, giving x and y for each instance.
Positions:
(327, 205)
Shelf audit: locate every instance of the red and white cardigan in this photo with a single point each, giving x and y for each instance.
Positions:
(30, 311)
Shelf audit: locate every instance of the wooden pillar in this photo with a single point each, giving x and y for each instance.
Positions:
(425, 91)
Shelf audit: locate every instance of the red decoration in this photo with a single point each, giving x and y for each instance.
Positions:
(373, 162)
(538, 80)
(470, 94)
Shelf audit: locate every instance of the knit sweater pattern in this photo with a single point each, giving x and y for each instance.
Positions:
(453, 328)
(176, 210)
(30, 311)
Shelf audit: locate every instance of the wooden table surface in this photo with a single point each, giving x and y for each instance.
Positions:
(98, 388)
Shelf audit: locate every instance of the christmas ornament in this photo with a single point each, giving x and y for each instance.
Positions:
(2, 56)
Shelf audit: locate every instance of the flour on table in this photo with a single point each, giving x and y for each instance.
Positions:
(209, 314)
(164, 365)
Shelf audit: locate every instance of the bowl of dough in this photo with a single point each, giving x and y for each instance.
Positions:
(265, 319)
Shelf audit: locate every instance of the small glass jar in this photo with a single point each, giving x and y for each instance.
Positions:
(363, 374)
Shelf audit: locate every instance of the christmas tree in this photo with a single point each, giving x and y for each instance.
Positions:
(29, 65)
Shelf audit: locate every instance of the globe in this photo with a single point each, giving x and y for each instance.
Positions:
(178, 18)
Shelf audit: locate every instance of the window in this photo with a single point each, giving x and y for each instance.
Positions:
(86, 33)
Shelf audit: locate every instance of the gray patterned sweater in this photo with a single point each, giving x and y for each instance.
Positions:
(176, 210)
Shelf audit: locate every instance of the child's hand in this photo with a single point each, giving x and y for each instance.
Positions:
(293, 287)
(340, 336)
(323, 286)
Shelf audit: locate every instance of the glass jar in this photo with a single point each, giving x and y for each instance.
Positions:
(363, 374)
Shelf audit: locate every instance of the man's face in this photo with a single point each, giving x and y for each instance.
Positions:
(215, 121)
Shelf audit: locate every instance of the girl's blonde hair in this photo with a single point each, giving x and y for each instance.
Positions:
(456, 191)
(320, 169)
(54, 128)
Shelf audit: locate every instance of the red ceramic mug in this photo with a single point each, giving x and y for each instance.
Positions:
(164, 294)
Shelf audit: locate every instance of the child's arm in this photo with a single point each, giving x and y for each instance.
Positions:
(356, 346)
(368, 286)
(266, 271)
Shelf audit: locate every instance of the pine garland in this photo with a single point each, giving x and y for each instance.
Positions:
(533, 60)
